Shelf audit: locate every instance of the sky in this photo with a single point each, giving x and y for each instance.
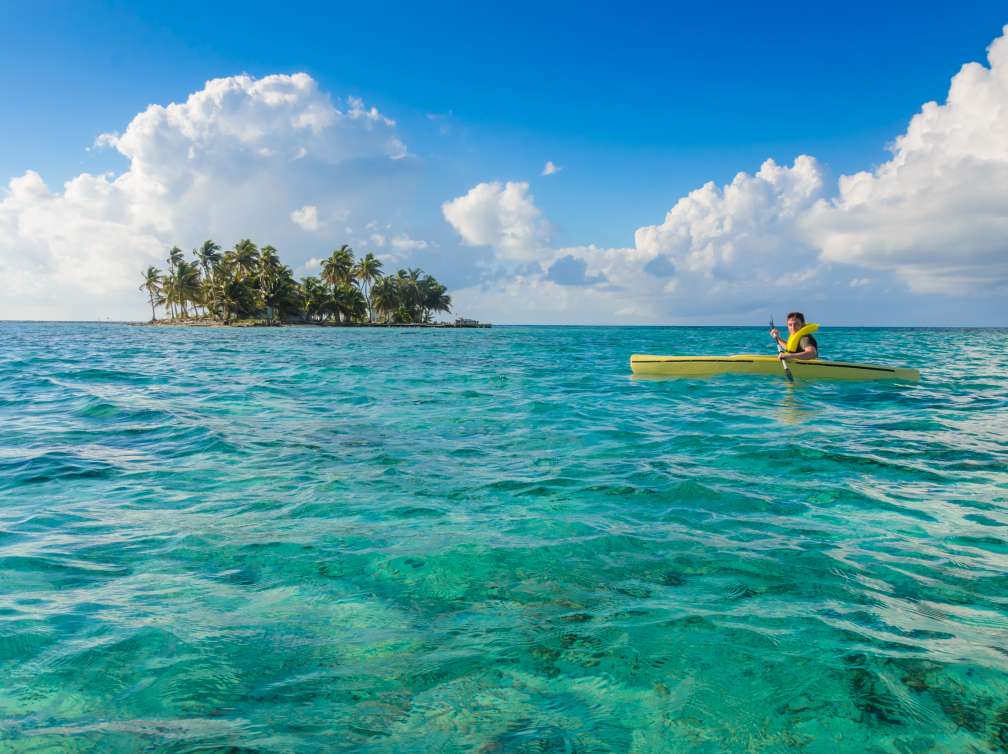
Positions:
(572, 164)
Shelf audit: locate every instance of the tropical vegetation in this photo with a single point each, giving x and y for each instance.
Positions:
(251, 283)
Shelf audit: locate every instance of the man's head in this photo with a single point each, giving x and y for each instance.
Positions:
(795, 321)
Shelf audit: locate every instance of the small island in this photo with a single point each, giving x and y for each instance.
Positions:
(250, 286)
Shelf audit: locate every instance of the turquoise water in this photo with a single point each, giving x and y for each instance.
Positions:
(497, 541)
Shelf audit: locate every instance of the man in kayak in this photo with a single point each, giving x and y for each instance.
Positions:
(807, 346)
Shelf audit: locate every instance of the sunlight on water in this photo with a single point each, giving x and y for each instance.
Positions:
(321, 540)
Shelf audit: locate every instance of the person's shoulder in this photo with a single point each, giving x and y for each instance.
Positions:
(808, 340)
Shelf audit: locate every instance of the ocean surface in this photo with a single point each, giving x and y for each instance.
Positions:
(497, 541)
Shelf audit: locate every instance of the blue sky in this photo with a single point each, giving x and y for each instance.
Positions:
(639, 105)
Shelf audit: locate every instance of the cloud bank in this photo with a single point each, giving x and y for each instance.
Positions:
(237, 158)
(722, 248)
(279, 160)
(936, 214)
(931, 220)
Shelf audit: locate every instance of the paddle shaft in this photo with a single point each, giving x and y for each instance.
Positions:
(787, 369)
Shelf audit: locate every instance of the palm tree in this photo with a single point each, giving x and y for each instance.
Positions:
(270, 278)
(367, 271)
(207, 255)
(175, 256)
(268, 266)
(402, 315)
(313, 297)
(349, 302)
(408, 286)
(338, 267)
(230, 296)
(245, 257)
(152, 284)
(185, 285)
(433, 298)
(385, 297)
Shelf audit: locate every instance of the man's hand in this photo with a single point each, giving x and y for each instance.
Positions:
(774, 333)
(784, 355)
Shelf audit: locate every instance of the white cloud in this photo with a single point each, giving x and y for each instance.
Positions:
(222, 164)
(743, 231)
(306, 217)
(501, 215)
(357, 111)
(721, 251)
(235, 157)
(403, 242)
(936, 214)
(724, 252)
(932, 220)
(532, 299)
(52, 245)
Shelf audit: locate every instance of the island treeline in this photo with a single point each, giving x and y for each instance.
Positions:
(247, 282)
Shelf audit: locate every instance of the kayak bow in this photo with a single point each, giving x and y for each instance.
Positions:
(748, 363)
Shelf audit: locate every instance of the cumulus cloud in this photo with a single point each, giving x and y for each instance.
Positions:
(720, 250)
(501, 215)
(936, 214)
(550, 168)
(745, 230)
(52, 245)
(727, 252)
(223, 163)
(306, 217)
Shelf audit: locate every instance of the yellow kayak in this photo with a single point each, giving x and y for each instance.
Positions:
(750, 363)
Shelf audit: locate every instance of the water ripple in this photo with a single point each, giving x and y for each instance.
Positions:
(321, 540)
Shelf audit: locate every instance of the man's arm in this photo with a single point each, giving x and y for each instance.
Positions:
(810, 352)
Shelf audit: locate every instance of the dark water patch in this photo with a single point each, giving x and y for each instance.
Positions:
(52, 466)
(56, 572)
(984, 520)
(991, 544)
(113, 376)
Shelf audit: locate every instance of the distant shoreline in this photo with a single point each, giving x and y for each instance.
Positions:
(541, 325)
(264, 323)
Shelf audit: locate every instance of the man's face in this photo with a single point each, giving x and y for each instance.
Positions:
(794, 324)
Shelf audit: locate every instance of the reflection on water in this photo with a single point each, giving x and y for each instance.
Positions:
(792, 409)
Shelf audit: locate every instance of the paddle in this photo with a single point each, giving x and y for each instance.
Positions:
(787, 369)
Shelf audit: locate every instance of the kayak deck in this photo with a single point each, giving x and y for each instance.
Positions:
(749, 363)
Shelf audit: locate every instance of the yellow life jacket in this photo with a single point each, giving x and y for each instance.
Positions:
(794, 340)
